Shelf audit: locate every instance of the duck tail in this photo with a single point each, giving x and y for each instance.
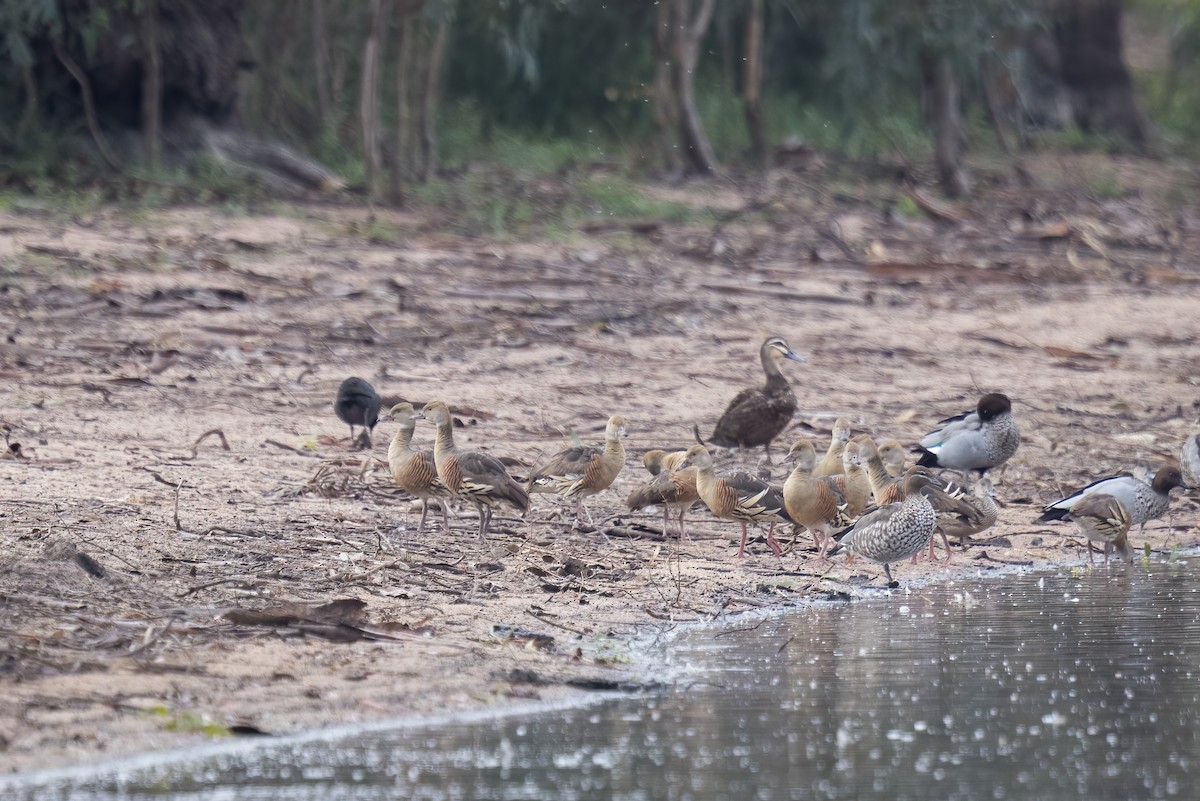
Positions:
(1053, 513)
(515, 494)
(928, 459)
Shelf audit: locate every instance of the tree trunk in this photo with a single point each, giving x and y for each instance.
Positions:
(368, 100)
(151, 85)
(402, 163)
(949, 138)
(320, 56)
(689, 30)
(666, 104)
(1088, 35)
(429, 102)
(752, 82)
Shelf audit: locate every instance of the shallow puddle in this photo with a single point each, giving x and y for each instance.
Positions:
(1072, 685)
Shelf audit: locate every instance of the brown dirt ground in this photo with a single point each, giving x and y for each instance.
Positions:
(1084, 310)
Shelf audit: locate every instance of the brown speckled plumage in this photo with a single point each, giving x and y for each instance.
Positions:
(414, 470)
(579, 472)
(737, 495)
(472, 475)
(900, 530)
(1102, 518)
(757, 415)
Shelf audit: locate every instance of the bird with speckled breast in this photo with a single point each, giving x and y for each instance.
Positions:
(978, 440)
(901, 530)
(1143, 500)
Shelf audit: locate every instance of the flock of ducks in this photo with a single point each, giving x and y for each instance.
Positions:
(859, 496)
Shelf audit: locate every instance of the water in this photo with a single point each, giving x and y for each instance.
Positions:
(1055, 686)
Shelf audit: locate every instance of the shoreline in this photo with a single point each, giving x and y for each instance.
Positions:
(643, 653)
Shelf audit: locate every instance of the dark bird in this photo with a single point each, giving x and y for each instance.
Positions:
(737, 495)
(757, 415)
(1103, 518)
(1144, 501)
(358, 404)
(978, 440)
(580, 471)
(414, 470)
(471, 475)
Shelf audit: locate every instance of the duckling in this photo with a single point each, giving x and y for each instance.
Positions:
(831, 463)
(757, 415)
(475, 476)
(671, 488)
(1144, 501)
(414, 470)
(977, 440)
(817, 503)
(894, 457)
(579, 472)
(358, 404)
(656, 461)
(1189, 459)
(897, 531)
(885, 488)
(1103, 518)
(736, 495)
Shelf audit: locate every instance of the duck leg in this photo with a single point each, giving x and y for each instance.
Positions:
(1091, 562)
(945, 542)
(887, 571)
(771, 540)
(445, 515)
(424, 511)
(682, 533)
(742, 548)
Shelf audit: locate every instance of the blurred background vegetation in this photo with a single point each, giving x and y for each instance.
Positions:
(434, 101)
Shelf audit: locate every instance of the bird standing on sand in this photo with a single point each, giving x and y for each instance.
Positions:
(1144, 501)
(737, 495)
(578, 472)
(978, 440)
(472, 475)
(1103, 518)
(414, 470)
(757, 415)
(669, 486)
(358, 404)
(815, 502)
(901, 530)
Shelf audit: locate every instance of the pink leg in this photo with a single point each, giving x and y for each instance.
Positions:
(946, 542)
(771, 541)
(742, 549)
(424, 511)
(682, 533)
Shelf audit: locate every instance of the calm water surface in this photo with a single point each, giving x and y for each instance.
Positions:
(1029, 687)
